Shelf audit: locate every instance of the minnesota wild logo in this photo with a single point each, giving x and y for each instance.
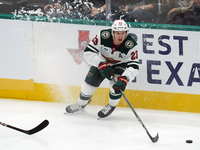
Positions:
(105, 34)
(129, 44)
(89, 74)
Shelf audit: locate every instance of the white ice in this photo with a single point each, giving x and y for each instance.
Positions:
(82, 131)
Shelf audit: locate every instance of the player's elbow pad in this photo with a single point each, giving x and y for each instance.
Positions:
(91, 58)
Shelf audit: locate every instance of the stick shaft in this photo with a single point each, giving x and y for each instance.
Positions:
(153, 139)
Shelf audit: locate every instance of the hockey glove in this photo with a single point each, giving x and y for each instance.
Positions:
(120, 84)
(106, 70)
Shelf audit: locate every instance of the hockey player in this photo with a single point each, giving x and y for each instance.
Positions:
(111, 53)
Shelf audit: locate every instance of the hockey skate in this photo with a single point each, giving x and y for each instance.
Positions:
(76, 107)
(106, 111)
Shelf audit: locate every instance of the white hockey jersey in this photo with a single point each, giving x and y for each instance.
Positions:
(102, 49)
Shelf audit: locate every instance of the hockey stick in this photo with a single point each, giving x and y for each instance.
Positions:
(41, 126)
(153, 139)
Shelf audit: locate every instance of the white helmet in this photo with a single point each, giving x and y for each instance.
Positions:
(119, 25)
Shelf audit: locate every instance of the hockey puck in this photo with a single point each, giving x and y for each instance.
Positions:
(189, 141)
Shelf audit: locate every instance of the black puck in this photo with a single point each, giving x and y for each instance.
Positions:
(189, 141)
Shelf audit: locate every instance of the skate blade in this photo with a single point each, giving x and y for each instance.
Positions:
(78, 112)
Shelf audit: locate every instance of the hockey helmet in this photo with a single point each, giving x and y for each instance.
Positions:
(119, 25)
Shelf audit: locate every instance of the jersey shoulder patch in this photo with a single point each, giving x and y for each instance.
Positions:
(105, 34)
(130, 42)
(106, 38)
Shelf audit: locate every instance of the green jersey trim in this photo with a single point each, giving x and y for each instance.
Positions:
(91, 49)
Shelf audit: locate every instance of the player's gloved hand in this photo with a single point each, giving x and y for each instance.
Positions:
(120, 84)
(106, 70)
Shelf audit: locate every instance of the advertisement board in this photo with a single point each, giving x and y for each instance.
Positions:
(46, 56)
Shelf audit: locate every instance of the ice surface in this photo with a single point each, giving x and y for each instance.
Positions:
(82, 131)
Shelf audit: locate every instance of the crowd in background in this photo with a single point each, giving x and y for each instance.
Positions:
(185, 12)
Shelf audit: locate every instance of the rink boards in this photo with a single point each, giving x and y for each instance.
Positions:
(42, 61)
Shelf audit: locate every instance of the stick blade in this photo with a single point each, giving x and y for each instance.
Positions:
(41, 126)
(155, 139)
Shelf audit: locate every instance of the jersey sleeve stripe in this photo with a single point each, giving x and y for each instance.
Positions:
(133, 64)
(91, 48)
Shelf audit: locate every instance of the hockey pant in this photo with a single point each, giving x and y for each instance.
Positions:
(87, 92)
(93, 81)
